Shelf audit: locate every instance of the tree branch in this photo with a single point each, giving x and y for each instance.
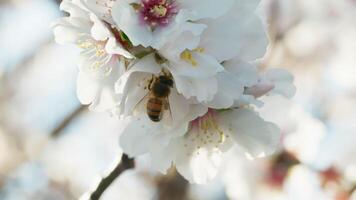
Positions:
(125, 164)
(172, 186)
(73, 115)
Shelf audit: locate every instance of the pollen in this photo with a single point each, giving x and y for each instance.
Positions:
(188, 57)
(199, 50)
(205, 133)
(85, 44)
(98, 47)
(159, 10)
(211, 125)
(99, 50)
(156, 13)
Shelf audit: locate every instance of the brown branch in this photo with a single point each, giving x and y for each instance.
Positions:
(172, 186)
(56, 131)
(125, 164)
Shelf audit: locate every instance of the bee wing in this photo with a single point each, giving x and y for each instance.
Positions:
(140, 106)
(168, 115)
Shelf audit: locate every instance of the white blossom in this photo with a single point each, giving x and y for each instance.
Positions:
(206, 49)
(100, 61)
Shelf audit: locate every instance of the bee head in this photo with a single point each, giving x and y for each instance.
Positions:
(166, 80)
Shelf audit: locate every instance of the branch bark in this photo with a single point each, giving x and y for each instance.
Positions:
(125, 164)
(172, 186)
(75, 113)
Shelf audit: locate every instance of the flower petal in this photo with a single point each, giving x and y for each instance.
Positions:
(199, 167)
(229, 89)
(113, 47)
(206, 8)
(244, 71)
(256, 136)
(246, 37)
(282, 81)
(99, 31)
(98, 92)
(206, 66)
(140, 134)
(190, 87)
(128, 21)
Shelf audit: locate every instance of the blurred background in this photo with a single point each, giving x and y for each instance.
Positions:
(52, 148)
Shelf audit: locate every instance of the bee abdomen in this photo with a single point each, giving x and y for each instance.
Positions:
(154, 109)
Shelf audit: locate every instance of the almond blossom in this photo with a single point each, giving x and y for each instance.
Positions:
(100, 61)
(197, 147)
(207, 49)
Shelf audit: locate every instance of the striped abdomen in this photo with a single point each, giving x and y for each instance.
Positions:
(154, 109)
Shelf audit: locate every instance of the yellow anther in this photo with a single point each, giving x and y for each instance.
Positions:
(89, 44)
(96, 65)
(85, 44)
(199, 50)
(159, 10)
(215, 126)
(188, 57)
(99, 51)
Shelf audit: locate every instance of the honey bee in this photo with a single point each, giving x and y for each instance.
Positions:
(159, 90)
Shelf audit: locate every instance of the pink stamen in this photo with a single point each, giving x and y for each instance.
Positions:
(157, 12)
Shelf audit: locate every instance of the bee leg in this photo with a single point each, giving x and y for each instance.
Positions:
(150, 83)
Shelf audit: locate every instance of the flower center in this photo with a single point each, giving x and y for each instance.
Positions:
(157, 12)
(91, 45)
(95, 51)
(188, 57)
(207, 125)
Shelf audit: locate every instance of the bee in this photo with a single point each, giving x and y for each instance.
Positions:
(159, 90)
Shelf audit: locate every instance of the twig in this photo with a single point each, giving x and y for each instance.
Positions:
(125, 164)
(56, 131)
(172, 186)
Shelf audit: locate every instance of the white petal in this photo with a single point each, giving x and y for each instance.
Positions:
(65, 34)
(247, 6)
(86, 88)
(179, 107)
(206, 66)
(128, 21)
(195, 167)
(229, 89)
(206, 8)
(282, 81)
(248, 100)
(162, 157)
(235, 35)
(97, 66)
(69, 30)
(199, 167)
(203, 89)
(101, 8)
(146, 64)
(245, 72)
(98, 92)
(99, 95)
(131, 91)
(259, 89)
(140, 135)
(131, 85)
(112, 47)
(99, 31)
(75, 9)
(184, 36)
(256, 136)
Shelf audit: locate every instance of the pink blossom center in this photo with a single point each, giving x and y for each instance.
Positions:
(158, 12)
